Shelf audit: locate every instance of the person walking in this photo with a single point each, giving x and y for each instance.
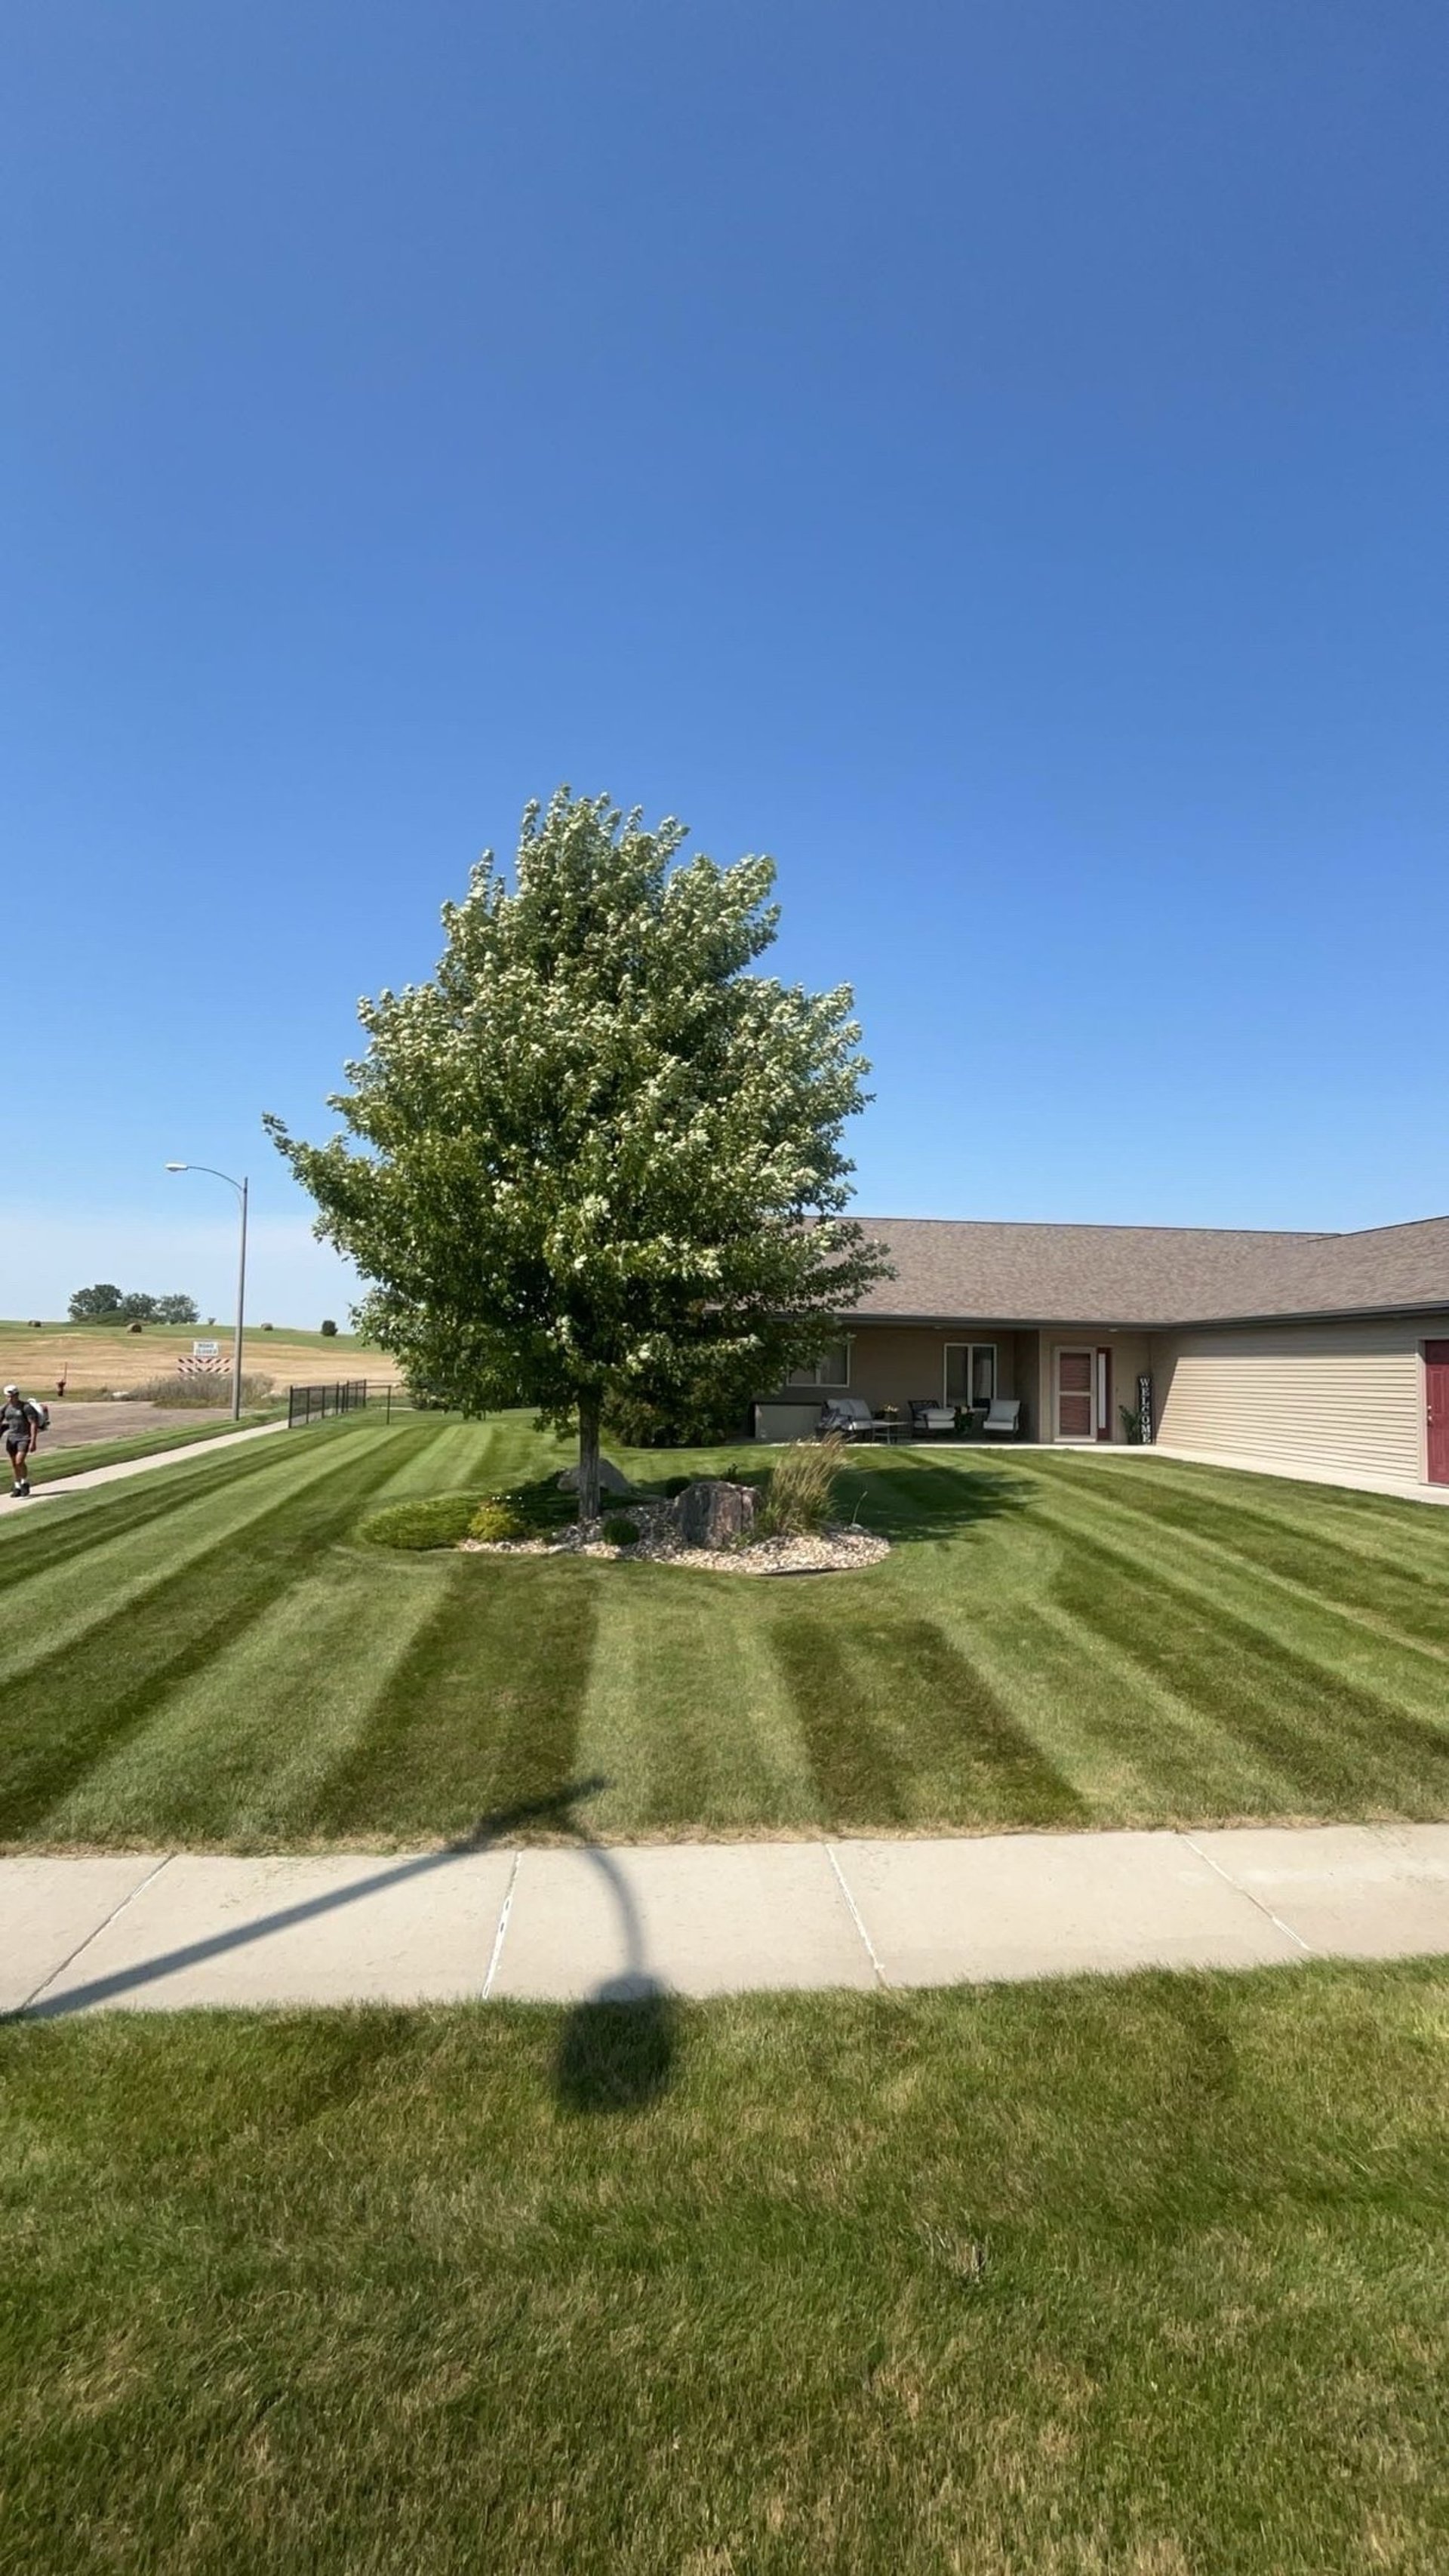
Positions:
(21, 1422)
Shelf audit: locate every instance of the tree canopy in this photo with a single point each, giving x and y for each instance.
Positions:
(597, 1157)
(105, 1303)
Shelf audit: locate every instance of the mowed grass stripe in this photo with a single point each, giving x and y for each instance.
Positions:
(1151, 1755)
(729, 1756)
(1338, 1642)
(103, 1687)
(461, 1457)
(1400, 1600)
(1373, 1531)
(484, 1714)
(77, 1526)
(208, 1502)
(133, 1538)
(1128, 1747)
(240, 1748)
(1344, 1749)
(900, 1725)
(1131, 1747)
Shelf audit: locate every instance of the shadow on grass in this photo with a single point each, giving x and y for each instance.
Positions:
(904, 1495)
(617, 2051)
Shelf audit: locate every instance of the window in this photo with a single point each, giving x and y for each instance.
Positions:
(831, 1369)
(970, 1372)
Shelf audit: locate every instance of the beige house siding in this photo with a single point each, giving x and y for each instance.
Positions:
(893, 1363)
(1343, 1396)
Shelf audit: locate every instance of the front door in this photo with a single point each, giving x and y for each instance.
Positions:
(1074, 1395)
(1436, 1389)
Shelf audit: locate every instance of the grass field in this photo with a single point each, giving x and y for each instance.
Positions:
(102, 1357)
(1131, 2279)
(50, 1463)
(209, 1656)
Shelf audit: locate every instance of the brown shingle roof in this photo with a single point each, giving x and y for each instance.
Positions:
(957, 1271)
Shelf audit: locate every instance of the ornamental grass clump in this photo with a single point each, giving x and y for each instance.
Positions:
(620, 1531)
(801, 1489)
(206, 1390)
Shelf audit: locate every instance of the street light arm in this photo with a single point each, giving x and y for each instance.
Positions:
(238, 1186)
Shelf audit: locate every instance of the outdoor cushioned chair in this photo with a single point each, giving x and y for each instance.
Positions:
(928, 1416)
(848, 1413)
(1003, 1418)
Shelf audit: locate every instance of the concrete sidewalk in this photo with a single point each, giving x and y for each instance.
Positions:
(161, 1931)
(88, 1476)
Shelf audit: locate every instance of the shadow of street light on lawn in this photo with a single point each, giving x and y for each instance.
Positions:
(617, 2049)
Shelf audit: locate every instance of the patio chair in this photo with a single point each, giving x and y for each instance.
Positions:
(849, 1414)
(1003, 1418)
(928, 1416)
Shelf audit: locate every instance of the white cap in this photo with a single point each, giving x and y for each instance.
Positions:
(12, 1390)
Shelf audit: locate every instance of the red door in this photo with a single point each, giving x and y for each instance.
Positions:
(1436, 1388)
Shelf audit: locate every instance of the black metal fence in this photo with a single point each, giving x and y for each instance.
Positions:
(317, 1403)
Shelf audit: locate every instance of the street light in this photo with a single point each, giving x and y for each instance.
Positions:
(240, 1188)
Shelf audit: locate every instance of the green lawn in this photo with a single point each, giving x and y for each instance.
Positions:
(50, 1464)
(209, 1655)
(1131, 2279)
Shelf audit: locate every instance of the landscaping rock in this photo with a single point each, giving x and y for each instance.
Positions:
(713, 1513)
(612, 1479)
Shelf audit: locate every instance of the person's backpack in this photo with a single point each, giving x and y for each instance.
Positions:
(41, 1413)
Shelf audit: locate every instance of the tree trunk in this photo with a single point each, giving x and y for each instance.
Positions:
(588, 1453)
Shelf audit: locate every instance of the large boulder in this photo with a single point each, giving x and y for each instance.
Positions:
(713, 1513)
(612, 1479)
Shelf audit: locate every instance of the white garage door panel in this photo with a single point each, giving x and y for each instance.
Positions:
(1333, 1396)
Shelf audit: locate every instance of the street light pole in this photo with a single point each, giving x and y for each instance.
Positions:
(240, 1188)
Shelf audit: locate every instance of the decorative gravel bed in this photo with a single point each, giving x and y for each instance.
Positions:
(830, 1551)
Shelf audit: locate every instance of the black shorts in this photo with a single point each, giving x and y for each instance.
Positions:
(18, 1443)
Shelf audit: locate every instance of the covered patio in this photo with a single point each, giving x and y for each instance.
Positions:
(1071, 1383)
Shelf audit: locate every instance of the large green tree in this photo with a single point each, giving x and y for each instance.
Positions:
(598, 1157)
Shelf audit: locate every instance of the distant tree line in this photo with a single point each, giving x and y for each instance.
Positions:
(107, 1304)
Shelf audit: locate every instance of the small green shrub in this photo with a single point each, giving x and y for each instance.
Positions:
(498, 1519)
(434, 1520)
(620, 1531)
(675, 1485)
(801, 1490)
(329, 1326)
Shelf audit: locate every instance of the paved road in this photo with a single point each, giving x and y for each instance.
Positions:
(161, 1931)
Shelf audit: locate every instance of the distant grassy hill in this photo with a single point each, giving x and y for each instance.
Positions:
(99, 1358)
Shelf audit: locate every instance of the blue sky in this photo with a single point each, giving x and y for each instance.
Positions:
(991, 457)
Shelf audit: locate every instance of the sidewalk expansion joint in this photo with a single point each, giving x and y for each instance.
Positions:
(1238, 1888)
(855, 1915)
(95, 1932)
(498, 1938)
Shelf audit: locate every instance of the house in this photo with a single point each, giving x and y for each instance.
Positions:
(1312, 1354)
